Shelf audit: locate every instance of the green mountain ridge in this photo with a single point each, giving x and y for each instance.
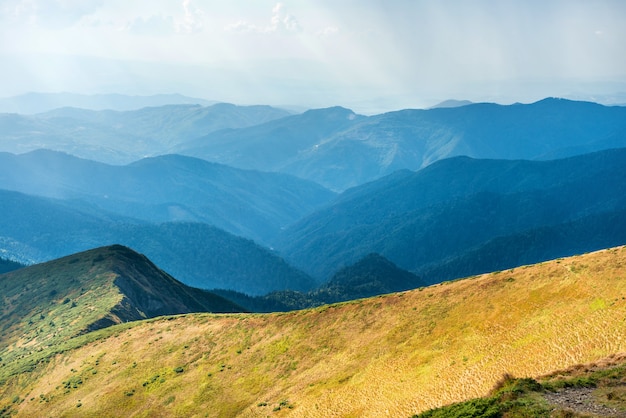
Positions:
(399, 354)
(50, 303)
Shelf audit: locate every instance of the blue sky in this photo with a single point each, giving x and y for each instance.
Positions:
(367, 54)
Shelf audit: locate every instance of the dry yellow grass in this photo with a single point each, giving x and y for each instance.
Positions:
(394, 355)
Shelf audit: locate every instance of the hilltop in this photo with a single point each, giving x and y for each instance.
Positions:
(371, 276)
(48, 304)
(396, 355)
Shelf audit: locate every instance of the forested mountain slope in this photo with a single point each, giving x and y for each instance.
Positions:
(422, 220)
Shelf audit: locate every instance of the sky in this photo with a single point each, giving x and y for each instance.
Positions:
(369, 55)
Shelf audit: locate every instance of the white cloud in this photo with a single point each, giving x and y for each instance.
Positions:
(192, 20)
(280, 21)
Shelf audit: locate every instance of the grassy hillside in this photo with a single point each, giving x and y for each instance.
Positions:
(597, 389)
(394, 355)
(46, 305)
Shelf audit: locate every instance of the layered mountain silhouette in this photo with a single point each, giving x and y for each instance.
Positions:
(334, 147)
(343, 150)
(35, 229)
(120, 137)
(370, 276)
(373, 275)
(168, 188)
(32, 103)
(423, 220)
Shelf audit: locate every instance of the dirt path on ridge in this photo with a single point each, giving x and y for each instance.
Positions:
(582, 401)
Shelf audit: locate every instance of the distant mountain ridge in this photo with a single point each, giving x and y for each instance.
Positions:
(168, 188)
(421, 220)
(349, 150)
(35, 229)
(451, 103)
(334, 146)
(31, 103)
(121, 137)
(373, 275)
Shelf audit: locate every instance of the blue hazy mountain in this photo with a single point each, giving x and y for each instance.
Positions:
(451, 103)
(36, 229)
(168, 188)
(373, 275)
(31, 103)
(425, 219)
(334, 147)
(121, 137)
(338, 149)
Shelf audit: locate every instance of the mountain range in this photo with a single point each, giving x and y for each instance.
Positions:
(456, 217)
(121, 137)
(32, 103)
(339, 149)
(446, 219)
(426, 219)
(398, 354)
(36, 229)
(333, 147)
(168, 188)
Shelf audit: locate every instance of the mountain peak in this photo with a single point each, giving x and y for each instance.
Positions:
(60, 299)
(336, 112)
(451, 103)
(372, 275)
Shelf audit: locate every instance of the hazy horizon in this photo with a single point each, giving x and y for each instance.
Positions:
(367, 55)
